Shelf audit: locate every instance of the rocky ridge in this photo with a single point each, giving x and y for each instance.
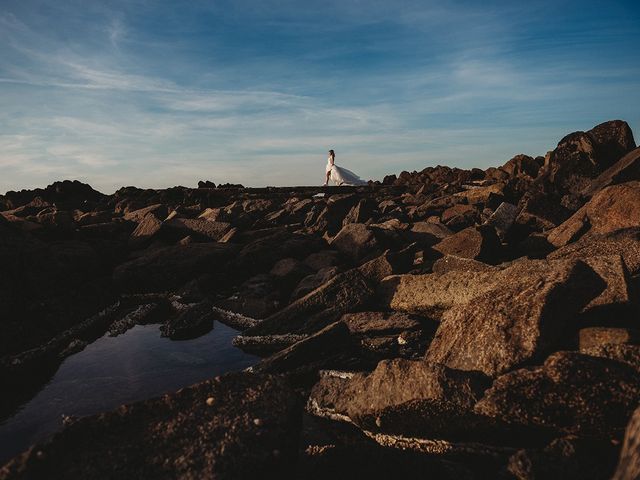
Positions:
(469, 323)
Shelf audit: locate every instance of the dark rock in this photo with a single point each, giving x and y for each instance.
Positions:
(624, 170)
(346, 292)
(249, 429)
(503, 218)
(629, 464)
(356, 241)
(322, 259)
(321, 350)
(567, 458)
(520, 321)
(624, 242)
(206, 184)
(614, 208)
(521, 165)
(203, 228)
(311, 282)
(168, 268)
(571, 392)
(480, 243)
(192, 322)
(621, 352)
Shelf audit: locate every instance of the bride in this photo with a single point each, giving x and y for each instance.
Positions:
(339, 175)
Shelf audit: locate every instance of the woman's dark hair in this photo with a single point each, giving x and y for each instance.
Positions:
(332, 153)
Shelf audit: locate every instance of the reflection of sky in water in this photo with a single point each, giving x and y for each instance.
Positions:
(115, 370)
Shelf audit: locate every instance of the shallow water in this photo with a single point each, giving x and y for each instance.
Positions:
(137, 365)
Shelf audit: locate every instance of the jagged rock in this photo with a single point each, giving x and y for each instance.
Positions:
(480, 243)
(356, 241)
(519, 321)
(621, 352)
(613, 139)
(460, 216)
(624, 242)
(567, 458)
(503, 218)
(361, 212)
(389, 263)
(289, 272)
(629, 464)
(450, 263)
(380, 323)
(614, 208)
(319, 351)
(147, 439)
(159, 211)
(322, 259)
(170, 267)
(192, 322)
(481, 195)
(148, 227)
(595, 336)
(258, 297)
(539, 213)
(521, 165)
(404, 397)
(313, 281)
(428, 232)
(624, 170)
(205, 228)
(571, 392)
(346, 292)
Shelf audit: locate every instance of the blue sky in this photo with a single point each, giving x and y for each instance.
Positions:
(162, 93)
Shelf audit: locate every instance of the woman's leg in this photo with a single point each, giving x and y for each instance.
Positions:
(326, 182)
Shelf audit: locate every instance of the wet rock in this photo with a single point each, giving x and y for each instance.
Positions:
(141, 315)
(570, 458)
(257, 297)
(192, 322)
(288, 273)
(571, 392)
(595, 336)
(614, 208)
(516, 322)
(168, 268)
(629, 465)
(147, 439)
(480, 243)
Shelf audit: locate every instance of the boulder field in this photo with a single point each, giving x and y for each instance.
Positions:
(446, 324)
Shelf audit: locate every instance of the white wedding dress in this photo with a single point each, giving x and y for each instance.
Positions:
(342, 176)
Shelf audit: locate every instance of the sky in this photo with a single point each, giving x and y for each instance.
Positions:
(162, 93)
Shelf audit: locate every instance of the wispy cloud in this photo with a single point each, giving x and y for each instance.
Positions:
(256, 92)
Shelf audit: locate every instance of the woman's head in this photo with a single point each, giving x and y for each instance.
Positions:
(332, 153)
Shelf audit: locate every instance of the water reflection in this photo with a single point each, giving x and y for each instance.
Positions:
(114, 370)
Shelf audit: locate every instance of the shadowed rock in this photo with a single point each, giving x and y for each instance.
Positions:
(572, 392)
(249, 428)
(479, 243)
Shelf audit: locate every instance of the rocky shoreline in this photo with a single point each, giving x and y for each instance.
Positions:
(475, 324)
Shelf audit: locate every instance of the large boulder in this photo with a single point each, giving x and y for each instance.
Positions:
(356, 241)
(623, 242)
(614, 208)
(624, 170)
(571, 392)
(396, 386)
(346, 292)
(480, 243)
(519, 321)
(236, 426)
